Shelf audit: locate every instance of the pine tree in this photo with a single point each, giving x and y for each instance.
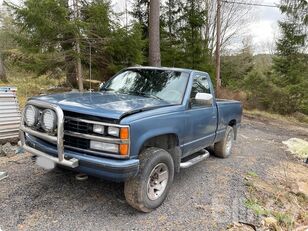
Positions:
(291, 63)
(48, 31)
(172, 47)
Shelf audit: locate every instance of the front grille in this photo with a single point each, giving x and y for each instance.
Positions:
(77, 126)
(76, 142)
(76, 129)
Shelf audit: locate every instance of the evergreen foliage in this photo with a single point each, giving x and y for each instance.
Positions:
(41, 35)
(48, 29)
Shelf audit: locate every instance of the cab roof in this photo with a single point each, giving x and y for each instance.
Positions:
(163, 68)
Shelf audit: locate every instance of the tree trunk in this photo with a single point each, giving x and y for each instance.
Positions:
(70, 63)
(71, 79)
(154, 34)
(78, 60)
(79, 68)
(2, 70)
(218, 42)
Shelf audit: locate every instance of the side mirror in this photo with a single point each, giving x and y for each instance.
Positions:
(101, 86)
(204, 98)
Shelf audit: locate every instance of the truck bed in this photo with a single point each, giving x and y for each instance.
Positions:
(228, 110)
(226, 101)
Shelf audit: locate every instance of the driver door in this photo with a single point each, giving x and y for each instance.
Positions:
(202, 119)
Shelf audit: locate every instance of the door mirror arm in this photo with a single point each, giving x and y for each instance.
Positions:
(101, 85)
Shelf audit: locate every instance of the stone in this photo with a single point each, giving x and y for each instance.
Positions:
(271, 223)
(19, 150)
(3, 175)
(8, 150)
(303, 188)
(240, 227)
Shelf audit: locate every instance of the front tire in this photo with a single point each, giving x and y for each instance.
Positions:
(223, 148)
(150, 187)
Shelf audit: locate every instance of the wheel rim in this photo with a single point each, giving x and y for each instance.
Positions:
(229, 142)
(158, 181)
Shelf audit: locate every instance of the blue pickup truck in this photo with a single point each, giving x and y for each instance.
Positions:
(141, 127)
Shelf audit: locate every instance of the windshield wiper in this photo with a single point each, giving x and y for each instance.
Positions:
(107, 89)
(146, 95)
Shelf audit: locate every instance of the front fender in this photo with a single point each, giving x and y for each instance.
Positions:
(153, 133)
(147, 128)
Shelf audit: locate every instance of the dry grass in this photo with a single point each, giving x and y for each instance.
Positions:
(295, 118)
(282, 199)
(235, 95)
(29, 85)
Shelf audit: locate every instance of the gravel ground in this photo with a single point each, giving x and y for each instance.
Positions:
(207, 196)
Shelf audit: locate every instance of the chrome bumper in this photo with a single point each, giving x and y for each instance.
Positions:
(58, 140)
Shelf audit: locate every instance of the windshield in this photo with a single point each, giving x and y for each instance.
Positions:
(163, 85)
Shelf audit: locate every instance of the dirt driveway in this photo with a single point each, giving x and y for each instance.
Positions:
(207, 196)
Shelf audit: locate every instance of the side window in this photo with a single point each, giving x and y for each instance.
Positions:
(200, 85)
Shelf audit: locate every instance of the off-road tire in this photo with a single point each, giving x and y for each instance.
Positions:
(220, 148)
(135, 189)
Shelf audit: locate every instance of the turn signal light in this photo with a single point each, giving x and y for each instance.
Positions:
(124, 149)
(124, 133)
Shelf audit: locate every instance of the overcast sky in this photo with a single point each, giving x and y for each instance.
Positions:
(263, 29)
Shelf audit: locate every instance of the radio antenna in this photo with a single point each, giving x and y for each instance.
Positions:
(90, 67)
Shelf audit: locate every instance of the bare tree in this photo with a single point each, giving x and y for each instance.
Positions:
(154, 34)
(234, 17)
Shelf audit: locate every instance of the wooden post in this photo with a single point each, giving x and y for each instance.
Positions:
(217, 53)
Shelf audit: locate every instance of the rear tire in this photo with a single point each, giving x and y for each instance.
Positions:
(148, 190)
(223, 148)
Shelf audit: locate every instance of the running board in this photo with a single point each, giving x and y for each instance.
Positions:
(204, 154)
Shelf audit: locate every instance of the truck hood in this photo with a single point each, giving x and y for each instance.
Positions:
(102, 104)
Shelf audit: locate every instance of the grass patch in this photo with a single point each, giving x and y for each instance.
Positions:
(280, 207)
(252, 174)
(284, 219)
(295, 118)
(256, 207)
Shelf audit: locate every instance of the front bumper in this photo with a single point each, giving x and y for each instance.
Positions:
(109, 169)
(52, 148)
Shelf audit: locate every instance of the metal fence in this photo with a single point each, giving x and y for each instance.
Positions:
(9, 115)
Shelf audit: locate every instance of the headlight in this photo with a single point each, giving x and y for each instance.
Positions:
(49, 120)
(98, 129)
(96, 145)
(31, 115)
(122, 133)
(113, 131)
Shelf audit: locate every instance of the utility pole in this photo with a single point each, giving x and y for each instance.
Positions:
(217, 53)
(154, 34)
(78, 59)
